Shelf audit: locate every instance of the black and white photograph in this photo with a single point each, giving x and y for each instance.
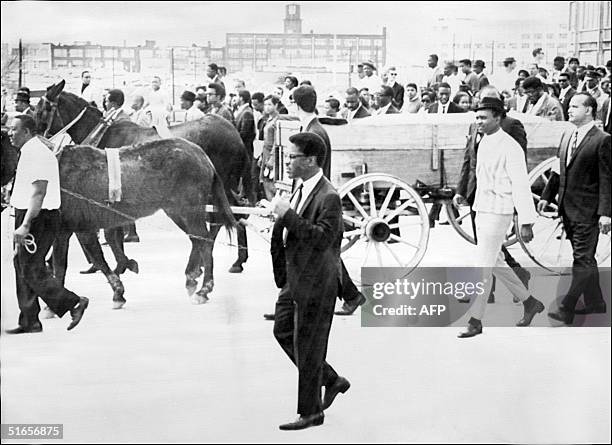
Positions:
(306, 222)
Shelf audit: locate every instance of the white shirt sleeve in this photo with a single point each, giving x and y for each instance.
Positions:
(521, 190)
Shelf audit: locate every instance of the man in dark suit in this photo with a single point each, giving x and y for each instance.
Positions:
(305, 250)
(384, 100)
(466, 187)
(398, 89)
(583, 186)
(483, 80)
(245, 120)
(444, 104)
(567, 92)
(354, 107)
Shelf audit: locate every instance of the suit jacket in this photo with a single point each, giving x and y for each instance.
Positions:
(315, 127)
(466, 186)
(309, 261)
(483, 81)
(452, 108)
(398, 96)
(361, 113)
(245, 124)
(604, 116)
(224, 112)
(551, 109)
(583, 185)
(566, 100)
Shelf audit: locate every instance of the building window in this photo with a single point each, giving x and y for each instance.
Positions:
(526, 36)
(76, 52)
(60, 53)
(305, 41)
(261, 41)
(365, 42)
(233, 52)
(92, 52)
(247, 52)
(233, 41)
(378, 42)
(551, 44)
(321, 42)
(109, 53)
(291, 41)
(127, 53)
(261, 53)
(537, 36)
(512, 46)
(525, 45)
(550, 36)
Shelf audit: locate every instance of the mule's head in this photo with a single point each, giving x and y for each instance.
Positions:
(8, 159)
(46, 113)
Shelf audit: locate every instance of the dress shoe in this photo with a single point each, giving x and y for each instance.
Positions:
(474, 328)
(341, 385)
(269, 317)
(77, 312)
(304, 422)
(349, 307)
(131, 239)
(92, 269)
(22, 330)
(562, 315)
(591, 309)
(532, 307)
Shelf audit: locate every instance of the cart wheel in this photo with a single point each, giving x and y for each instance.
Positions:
(385, 223)
(464, 226)
(550, 248)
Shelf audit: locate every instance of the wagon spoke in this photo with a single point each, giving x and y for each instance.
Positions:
(544, 178)
(378, 255)
(394, 254)
(355, 221)
(401, 240)
(387, 200)
(372, 199)
(398, 210)
(352, 233)
(357, 205)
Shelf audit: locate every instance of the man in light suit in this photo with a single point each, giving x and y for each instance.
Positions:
(541, 103)
(305, 250)
(583, 186)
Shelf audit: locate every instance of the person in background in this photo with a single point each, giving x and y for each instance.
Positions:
(483, 80)
(266, 176)
(519, 101)
(158, 103)
(451, 78)
(464, 100)
(257, 101)
(354, 106)
(212, 72)
(558, 68)
(201, 102)
(540, 102)
(188, 103)
(245, 121)
(22, 103)
(366, 99)
(370, 81)
(412, 103)
(428, 97)
(384, 101)
(398, 89)
(332, 107)
(139, 115)
(215, 93)
(436, 72)
(87, 90)
(115, 100)
(444, 105)
(471, 79)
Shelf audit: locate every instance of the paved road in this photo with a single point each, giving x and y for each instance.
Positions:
(163, 370)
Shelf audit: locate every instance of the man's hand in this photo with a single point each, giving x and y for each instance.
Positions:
(19, 235)
(542, 204)
(526, 232)
(280, 205)
(605, 224)
(459, 200)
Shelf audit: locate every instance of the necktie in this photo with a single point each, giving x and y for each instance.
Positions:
(572, 147)
(295, 202)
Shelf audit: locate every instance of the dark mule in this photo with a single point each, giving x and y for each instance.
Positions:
(8, 160)
(173, 175)
(216, 136)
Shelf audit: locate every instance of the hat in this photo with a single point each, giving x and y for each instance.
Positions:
(479, 63)
(22, 96)
(369, 63)
(188, 96)
(592, 74)
(490, 103)
(509, 60)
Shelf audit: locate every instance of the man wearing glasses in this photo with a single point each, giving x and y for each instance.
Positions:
(567, 92)
(398, 90)
(215, 93)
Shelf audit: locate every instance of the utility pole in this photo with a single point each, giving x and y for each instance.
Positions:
(172, 72)
(20, 81)
(492, 56)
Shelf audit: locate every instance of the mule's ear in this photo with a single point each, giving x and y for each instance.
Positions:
(54, 90)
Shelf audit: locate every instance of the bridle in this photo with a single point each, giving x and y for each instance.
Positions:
(54, 112)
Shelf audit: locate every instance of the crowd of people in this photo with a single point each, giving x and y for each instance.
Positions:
(306, 237)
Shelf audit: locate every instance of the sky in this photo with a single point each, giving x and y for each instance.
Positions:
(184, 23)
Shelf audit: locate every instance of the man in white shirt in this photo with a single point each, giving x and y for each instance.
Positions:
(36, 199)
(502, 185)
(187, 103)
(158, 103)
(87, 90)
(354, 107)
(436, 73)
(370, 81)
(504, 81)
(139, 115)
(451, 77)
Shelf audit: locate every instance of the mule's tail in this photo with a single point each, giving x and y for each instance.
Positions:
(223, 214)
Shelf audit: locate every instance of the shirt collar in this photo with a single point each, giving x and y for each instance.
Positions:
(582, 131)
(565, 90)
(307, 120)
(384, 109)
(242, 107)
(309, 184)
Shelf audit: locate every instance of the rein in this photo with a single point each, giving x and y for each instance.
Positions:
(54, 113)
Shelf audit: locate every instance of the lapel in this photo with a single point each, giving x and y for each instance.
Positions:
(588, 136)
(310, 197)
(563, 149)
(311, 124)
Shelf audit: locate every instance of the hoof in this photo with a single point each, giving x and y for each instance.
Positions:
(191, 285)
(236, 268)
(118, 304)
(47, 314)
(132, 266)
(199, 299)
